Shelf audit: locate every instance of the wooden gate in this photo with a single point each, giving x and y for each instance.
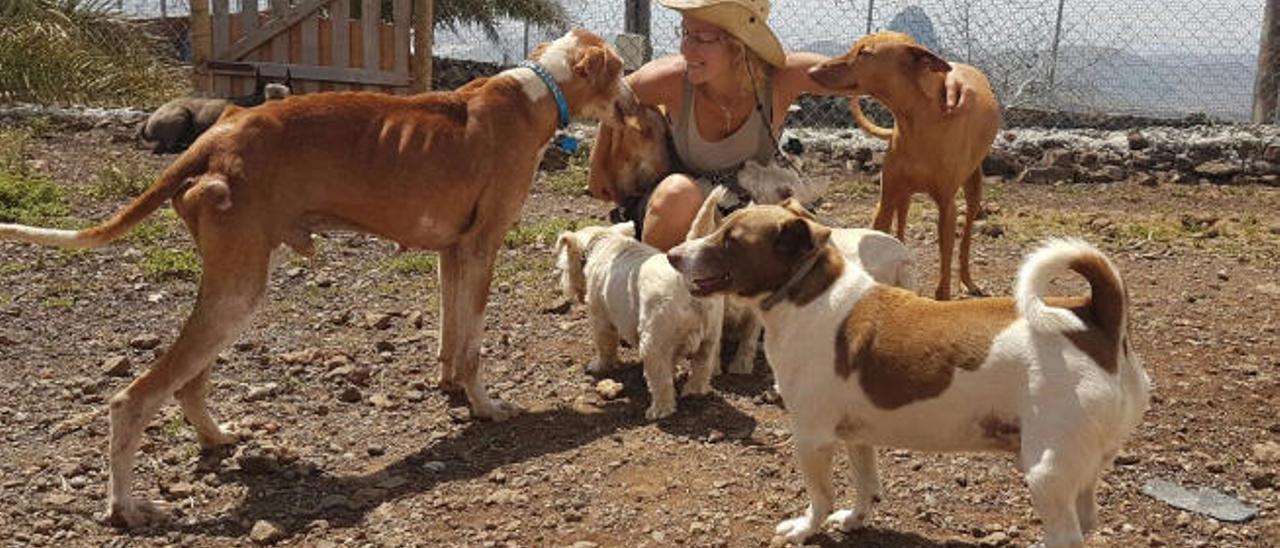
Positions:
(325, 45)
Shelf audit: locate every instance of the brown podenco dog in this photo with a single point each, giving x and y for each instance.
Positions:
(929, 151)
(444, 171)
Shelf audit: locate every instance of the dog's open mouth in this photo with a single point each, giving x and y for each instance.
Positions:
(706, 285)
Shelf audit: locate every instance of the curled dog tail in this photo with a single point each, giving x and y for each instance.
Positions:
(708, 217)
(855, 108)
(571, 263)
(1108, 301)
(174, 178)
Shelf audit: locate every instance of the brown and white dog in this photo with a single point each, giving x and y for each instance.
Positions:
(445, 171)
(929, 152)
(861, 365)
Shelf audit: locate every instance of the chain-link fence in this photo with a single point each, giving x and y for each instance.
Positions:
(1052, 62)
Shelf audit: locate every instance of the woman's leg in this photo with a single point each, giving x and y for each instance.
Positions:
(672, 207)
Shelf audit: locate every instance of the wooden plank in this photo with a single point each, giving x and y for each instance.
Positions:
(221, 41)
(279, 44)
(423, 37)
(307, 72)
(400, 18)
(201, 46)
(369, 22)
(341, 44)
(264, 34)
(248, 16)
(311, 48)
(238, 86)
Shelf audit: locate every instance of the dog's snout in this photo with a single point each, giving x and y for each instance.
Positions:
(676, 258)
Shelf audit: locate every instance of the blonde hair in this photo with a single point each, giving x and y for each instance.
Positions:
(756, 69)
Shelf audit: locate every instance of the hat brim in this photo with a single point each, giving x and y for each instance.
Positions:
(739, 23)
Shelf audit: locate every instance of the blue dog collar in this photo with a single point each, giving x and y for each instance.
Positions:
(561, 103)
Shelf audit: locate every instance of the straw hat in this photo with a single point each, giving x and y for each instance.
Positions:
(746, 20)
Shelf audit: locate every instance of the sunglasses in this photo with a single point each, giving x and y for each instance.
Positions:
(699, 38)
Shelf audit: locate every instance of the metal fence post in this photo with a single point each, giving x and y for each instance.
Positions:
(871, 10)
(1053, 55)
(637, 21)
(1266, 84)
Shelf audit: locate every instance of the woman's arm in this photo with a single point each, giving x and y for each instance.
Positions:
(659, 81)
(793, 80)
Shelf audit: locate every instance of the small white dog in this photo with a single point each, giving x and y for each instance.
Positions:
(633, 294)
(861, 365)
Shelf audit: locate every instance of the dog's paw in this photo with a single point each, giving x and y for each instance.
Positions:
(847, 520)
(132, 513)
(495, 410)
(598, 366)
(659, 411)
(743, 366)
(796, 530)
(695, 389)
(229, 433)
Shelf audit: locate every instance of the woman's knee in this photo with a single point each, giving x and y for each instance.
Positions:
(675, 193)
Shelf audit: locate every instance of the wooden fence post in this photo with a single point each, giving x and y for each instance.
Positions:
(201, 47)
(1266, 86)
(636, 21)
(423, 38)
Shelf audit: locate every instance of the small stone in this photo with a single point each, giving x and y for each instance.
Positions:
(1267, 452)
(116, 366)
(181, 489)
(44, 526)
(301, 357)
(59, 499)
(263, 392)
(349, 394)
(1127, 459)
(1048, 174)
(144, 342)
(1147, 179)
(1262, 478)
(1217, 169)
(377, 320)
(381, 401)
(433, 467)
(608, 389)
(1222, 275)
(265, 532)
(384, 346)
(376, 450)
(1138, 141)
(415, 319)
(998, 538)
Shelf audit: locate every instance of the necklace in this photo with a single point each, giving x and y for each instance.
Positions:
(724, 110)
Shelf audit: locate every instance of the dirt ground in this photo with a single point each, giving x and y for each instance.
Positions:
(351, 444)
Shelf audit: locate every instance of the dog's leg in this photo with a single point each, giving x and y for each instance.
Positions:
(814, 460)
(471, 298)
(605, 336)
(450, 277)
(192, 398)
(659, 373)
(705, 359)
(946, 244)
(866, 481)
(1087, 506)
(744, 357)
(973, 202)
(901, 208)
(1054, 489)
(232, 284)
(883, 220)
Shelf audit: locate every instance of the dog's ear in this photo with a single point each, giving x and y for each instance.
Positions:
(799, 236)
(793, 205)
(923, 58)
(590, 62)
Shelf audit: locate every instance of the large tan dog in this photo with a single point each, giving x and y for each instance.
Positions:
(444, 171)
(929, 152)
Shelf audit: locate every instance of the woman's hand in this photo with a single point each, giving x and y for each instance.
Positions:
(958, 91)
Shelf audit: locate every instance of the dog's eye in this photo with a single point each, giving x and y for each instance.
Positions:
(864, 51)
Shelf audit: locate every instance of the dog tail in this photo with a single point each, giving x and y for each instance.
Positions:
(708, 217)
(572, 265)
(174, 178)
(855, 107)
(1107, 305)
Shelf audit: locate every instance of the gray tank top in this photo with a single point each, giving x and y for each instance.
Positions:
(752, 141)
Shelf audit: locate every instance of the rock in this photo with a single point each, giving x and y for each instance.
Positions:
(1001, 163)
(1267, 452)
(608, 389)
(181, 489)
(376, 450)
(377, 320)
(1217, 169)
(1209, 502)
(554, 159)
(1262, 478)
(1138, 141)
(584, 544)
(301, 357)
(998, 538)
(1107, 174)
(1147, 179)
(433, 467)
(1058, 158)
(1271, 153)
(415, 319)
(59, 499)
(116, 366)
(381, 401)
(265, 532)
(1222, 275)
(1126, 459)
(1049, 174)
(793, 146)
(144, 342)
(349, 395)
(384, 346)
(262, 392)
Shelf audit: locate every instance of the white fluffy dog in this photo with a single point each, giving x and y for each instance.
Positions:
(632, 293)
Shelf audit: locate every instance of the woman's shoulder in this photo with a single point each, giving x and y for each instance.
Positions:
(660, 81)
